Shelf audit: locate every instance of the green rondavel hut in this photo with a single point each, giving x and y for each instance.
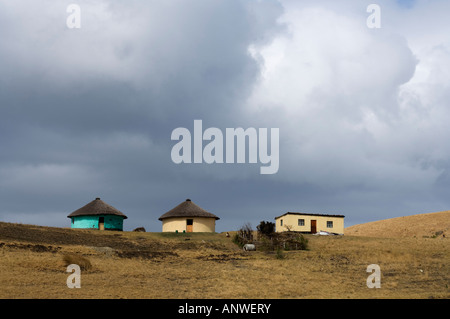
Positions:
(97, 215)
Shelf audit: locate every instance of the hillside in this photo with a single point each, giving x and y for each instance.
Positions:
(421, 225)
(33, 264)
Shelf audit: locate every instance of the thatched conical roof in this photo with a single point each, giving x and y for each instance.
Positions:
(97, 207)
(187, 209)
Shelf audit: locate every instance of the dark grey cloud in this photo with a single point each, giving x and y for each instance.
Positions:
(89, 112)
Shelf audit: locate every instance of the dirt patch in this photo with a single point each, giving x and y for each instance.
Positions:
(222, 257)
(34, 248)
(145, 254)
(340, 260)
(61, 236)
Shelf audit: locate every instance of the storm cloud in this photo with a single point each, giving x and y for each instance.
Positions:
(89, 112)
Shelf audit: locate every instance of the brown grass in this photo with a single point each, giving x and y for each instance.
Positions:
(79, 260)
(422, 225)
(156, 265)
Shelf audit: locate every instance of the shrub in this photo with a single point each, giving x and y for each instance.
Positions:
(243, 236)
(237, 240)
(265, 229)
(290, 241)
(81, 261)
(265, 244)
(298, 243)
(280, 254)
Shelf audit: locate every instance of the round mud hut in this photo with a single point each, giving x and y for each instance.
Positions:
(188, 217)
(97, 215)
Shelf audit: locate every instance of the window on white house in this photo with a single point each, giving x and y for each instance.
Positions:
(329, 224)
(281, 222)
(301, 222)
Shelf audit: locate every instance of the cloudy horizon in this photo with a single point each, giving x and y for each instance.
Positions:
(88, 112)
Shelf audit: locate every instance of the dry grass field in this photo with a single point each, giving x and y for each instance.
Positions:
(33, 262)
(421, 225)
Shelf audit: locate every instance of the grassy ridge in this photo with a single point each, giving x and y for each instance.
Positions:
(421, 225)
(162, 265)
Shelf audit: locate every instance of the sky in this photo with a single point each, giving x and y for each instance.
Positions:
(88, 111)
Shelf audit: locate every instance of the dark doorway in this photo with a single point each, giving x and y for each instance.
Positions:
(313, 226)
(189, 225)
(101, 223)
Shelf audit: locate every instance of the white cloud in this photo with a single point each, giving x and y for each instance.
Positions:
(356, 105)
